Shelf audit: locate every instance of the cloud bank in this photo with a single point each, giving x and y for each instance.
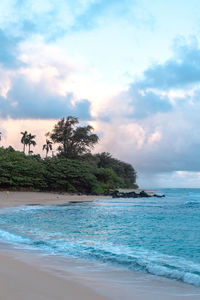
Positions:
(159, 129)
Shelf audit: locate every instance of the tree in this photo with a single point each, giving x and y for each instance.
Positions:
(47, 146)
(122, 169)
(105, 160)
(30, 141)
(74, 141)
(24, 139)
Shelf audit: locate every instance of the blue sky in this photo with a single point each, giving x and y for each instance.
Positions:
(130, 68)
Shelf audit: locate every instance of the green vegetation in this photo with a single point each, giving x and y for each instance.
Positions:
(73, 140)
(74, 169)
(18, 171)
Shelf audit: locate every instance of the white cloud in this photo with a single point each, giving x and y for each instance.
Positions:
(155, 137)
(181, 179)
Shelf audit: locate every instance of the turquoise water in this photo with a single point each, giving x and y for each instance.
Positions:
(160, 236)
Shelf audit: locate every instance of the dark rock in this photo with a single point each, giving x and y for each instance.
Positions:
(132, 194)
(144, 194)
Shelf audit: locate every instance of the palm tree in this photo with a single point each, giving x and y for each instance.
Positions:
(0, 135)
(30, 142)
(24, 139)
(47, 146)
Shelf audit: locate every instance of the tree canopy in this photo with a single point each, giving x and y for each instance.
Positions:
(30, 141)
(47, 146)
(21, 172)
(24, 139)
(27, 139)
(73, 140)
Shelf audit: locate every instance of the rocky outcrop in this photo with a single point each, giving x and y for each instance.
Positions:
(135, 194)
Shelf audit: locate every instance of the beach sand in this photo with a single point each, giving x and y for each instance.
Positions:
(8, 198)
(21, 280)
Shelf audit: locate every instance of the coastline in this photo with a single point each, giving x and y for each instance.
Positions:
(17, 198)
(50, 278)
(9, 199)
(38, 282)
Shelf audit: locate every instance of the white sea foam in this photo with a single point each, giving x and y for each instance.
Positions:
(13, 238)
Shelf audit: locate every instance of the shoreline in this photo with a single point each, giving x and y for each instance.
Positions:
(38, 281)
(51, 277)
(34, 283)
(9, 198)
(16, 198)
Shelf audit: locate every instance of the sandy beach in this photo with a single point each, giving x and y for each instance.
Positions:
(9, 199)
(20, 280)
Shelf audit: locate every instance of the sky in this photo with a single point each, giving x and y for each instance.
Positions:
(129, 68)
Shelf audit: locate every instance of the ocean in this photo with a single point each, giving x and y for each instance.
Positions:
(157, 236)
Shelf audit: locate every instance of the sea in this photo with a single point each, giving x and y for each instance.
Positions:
(150, 236)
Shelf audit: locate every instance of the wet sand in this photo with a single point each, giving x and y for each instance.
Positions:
(20, 281)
